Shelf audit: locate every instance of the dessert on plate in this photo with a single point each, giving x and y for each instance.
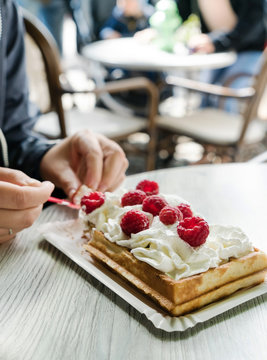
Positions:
(164, 248)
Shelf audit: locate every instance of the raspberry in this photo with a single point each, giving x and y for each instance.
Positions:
(185, 210)
(149, 187)
(153, 204)
(169, 215)
(134, 221)
(92, 201)
(194, 231)
(133, 197)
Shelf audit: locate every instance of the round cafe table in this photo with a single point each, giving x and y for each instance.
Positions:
(52, 309)
(132, 54)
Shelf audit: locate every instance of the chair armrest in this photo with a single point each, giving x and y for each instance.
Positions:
(114, 86)
(211, 89)
(137, 83)
(232, 78)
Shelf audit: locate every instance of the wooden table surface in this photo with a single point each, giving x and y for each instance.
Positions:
(129, 53)
(52, 309)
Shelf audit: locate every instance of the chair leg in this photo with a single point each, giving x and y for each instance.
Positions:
(152, 151)
(61, 118)
(236, 153)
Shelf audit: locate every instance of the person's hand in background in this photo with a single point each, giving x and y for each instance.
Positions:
(21, 201)
(112, 34)
(201, 43)
(85, 158)
(146, 36)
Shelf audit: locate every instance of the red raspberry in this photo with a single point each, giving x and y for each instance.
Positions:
(149, 187)
(185, 210)
(134, 221)
(194, 231)
(133, 197)
(153, 204)
(169, 215)
(92, 201)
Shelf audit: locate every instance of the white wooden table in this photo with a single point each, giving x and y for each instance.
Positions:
(131, 54)
(51, 309)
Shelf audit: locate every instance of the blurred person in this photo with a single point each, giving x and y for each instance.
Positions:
(99, 11)
(228, 25)
(30, 165)
(52, 14)
(127, 18)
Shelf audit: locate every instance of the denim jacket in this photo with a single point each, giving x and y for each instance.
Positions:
(17, 114)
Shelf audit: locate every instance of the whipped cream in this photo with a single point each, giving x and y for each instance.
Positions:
(161, 247)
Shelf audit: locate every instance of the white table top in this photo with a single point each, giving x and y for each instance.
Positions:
(129, 53)
(51, 309)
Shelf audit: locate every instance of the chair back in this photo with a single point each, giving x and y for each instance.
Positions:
(43, 67)
(37, 79)
(252, 108)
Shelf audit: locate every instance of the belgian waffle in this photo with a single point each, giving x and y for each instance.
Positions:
(182, 296)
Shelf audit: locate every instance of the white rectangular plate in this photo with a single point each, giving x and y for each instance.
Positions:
(67, 237)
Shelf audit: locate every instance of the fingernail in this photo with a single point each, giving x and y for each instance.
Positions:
(71, 193)
(48, 183)
(93, 186)
(102, 188)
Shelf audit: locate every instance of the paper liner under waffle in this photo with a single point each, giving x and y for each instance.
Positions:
(185, 295)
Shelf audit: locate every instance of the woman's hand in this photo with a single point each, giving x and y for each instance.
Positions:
(85, 158)
(21, 201)
(201, 43)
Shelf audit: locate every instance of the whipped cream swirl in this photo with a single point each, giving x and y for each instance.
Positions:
(161, 247)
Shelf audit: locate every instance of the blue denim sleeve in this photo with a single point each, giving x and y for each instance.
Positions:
(26, 148)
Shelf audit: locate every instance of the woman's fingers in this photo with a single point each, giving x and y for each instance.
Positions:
(85, 158)
(114, 164)
(17, 177)
(21, 201)
(7, 234)
(14, 221)
(115, 185)
(91, 158)
(6, 238)
(113, 172)
(18, 197)
(101, 163)
(19, 219)
(74, 161)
